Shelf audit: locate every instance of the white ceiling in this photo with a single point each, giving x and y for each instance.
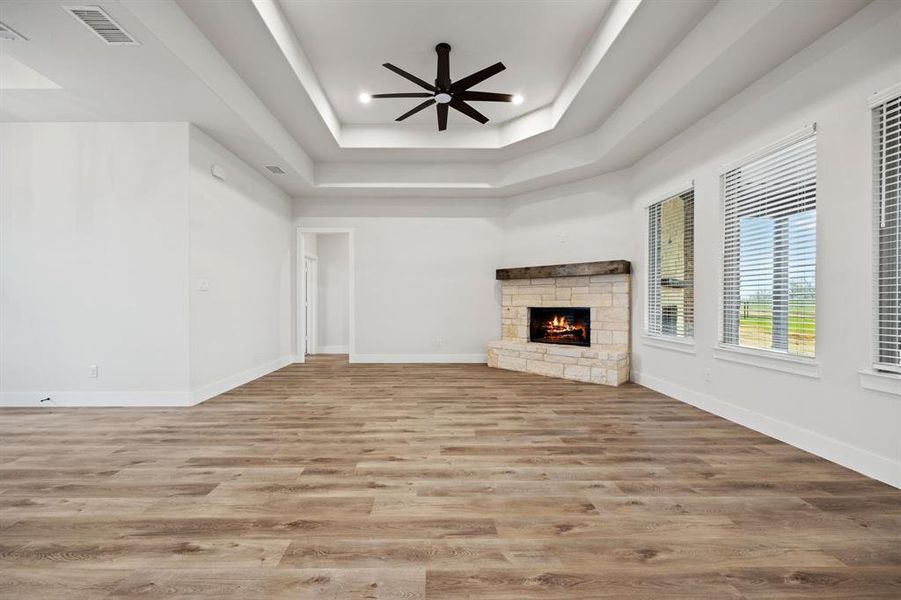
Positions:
(347, 42)
(97, 82)
(16, 76)
(606, 82)
(260, 43)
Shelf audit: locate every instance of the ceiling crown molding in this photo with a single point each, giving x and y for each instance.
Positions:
(286, 39)
(713, 52)
(539, 121)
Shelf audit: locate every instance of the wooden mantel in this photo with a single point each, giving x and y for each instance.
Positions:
(603, 267)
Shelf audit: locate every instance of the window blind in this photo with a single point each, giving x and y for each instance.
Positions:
(671, 266)
(769, 254)
(886, 163)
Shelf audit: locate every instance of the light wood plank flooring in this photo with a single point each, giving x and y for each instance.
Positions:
(444, 482)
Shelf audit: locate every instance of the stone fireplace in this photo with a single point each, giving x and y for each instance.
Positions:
(570, 321)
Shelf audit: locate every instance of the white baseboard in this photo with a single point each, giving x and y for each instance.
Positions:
(418, 358)
(139, 399)
(210, 390)
(852, 457)
(331, 350)
(95, 398)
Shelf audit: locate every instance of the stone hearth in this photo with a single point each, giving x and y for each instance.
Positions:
(604, 287)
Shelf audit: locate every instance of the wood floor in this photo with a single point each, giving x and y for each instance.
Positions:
(327, 481)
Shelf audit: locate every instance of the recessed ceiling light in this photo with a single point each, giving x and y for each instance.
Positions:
(517, 99)
(365, 98)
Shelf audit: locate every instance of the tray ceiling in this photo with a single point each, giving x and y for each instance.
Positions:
(346, 43)
(606, 81)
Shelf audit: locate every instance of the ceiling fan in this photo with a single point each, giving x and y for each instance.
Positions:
(446, 93)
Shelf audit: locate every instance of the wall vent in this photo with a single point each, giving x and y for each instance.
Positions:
(96, 19)
(276, 170)
(8, 33)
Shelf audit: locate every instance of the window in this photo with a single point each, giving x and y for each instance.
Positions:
(887, 163)
(671, 266)
(769, 254)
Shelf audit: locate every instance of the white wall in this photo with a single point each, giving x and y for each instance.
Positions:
(333, 320)
(425, 270)
(241, 245)
(831, 415)
(105, 232)
(93, 269)
(580, 222)
(311, 243)
(424, 279)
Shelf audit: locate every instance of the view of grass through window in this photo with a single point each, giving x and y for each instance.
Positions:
(769, 259)
(758, 282)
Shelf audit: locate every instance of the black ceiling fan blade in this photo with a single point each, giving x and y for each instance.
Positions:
(425, 104)
(404, 95)
(485, 96)
(477, 77)
(442, 117)
(443, 76)
(468, 111)
(410, 77)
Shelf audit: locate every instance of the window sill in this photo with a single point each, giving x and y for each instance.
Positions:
(805, 367)
(880, 381)
(684, 345)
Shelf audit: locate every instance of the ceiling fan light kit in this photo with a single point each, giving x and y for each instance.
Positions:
(446, 93)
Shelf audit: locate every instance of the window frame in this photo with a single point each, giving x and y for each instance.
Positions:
(679, 343)
(880, 369)
(778, 360)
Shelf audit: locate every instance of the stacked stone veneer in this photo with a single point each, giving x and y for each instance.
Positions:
(606, 361)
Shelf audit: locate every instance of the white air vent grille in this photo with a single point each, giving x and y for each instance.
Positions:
(96, 19)
(276, 170)
(8, 33)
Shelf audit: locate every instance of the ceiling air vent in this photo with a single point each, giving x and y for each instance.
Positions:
(276, 170)
(8, 33)
(96, 19)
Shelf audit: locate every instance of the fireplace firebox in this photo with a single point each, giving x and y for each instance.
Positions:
(564, 325)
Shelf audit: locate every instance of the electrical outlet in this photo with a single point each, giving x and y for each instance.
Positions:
(203, 285)
(440, 342)
(93, 371)
(708, 375)
(562, 238)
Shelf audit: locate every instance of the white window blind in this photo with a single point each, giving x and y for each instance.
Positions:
(887, 162)
(769, 254)
(671, 266)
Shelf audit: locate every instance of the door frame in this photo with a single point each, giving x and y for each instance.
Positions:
(299, 310)
(311, 307)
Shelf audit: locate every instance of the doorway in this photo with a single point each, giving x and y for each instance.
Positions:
(325, 294)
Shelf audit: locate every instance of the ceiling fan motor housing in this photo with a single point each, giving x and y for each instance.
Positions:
(443, 49)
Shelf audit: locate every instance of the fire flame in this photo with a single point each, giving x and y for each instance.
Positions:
(560, 323)
(556, 327)
(560, 326)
